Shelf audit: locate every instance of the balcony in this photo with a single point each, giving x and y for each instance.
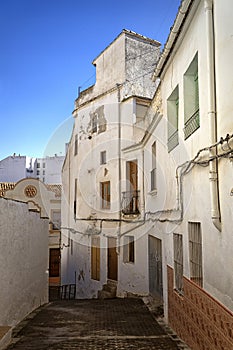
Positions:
(130, 202)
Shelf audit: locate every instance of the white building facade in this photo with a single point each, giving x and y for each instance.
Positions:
(189, 200)
(149, 203)
(47, 169)
(101, 199)
(13, 168)
(46, 200)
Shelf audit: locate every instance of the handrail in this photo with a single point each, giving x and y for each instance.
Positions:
(67, 291)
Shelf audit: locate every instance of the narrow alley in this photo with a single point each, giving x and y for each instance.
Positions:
(93, 324)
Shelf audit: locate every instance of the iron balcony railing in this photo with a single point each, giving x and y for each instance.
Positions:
(130, 202)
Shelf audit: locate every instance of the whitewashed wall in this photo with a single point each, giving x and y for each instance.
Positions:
(217, 246)
(116, 79)
(23, 261)
(12, 168)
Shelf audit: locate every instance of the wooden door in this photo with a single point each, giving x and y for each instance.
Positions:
(155, 267)
(95, 258)
(112, 259)
(132, 175)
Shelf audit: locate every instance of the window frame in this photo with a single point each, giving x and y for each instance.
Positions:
(75, 198)
(195, 253)
(153, 183)
(173, 119)
(103, 157)
(191, 98)
(75, 144)
(178, 262)
(129, 249)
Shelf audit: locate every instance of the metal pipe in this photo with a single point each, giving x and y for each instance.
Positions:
(119, 166)
(211, 89)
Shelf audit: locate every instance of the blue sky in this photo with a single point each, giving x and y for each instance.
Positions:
(47, 49)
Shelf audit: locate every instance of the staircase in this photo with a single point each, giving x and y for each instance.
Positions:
(108, 291)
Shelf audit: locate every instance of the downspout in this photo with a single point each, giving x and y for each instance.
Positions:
(119, 167)
(143, 187)
(211, 90)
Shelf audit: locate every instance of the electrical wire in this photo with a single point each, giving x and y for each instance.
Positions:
(181, 171)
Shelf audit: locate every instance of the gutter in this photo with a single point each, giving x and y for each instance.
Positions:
(173, 36)
(211, 90)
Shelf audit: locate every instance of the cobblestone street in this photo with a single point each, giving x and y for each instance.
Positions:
(93, 325)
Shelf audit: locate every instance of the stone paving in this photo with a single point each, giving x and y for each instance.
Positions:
(114, 324)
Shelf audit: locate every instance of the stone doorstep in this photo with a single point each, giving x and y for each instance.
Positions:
(5, 336)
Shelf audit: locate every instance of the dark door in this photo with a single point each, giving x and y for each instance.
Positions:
(54, 262)
(112, 259)
(155, 267)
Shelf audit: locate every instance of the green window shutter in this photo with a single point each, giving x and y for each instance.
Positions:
(196, 92)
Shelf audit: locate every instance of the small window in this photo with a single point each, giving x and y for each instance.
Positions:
(94, 121)
(75, 197)
(38, 165)
(38, 172)
(76, 145)
(191, 99)
(105, 195)
(195, 252)
(54, 262)
(128, 249)
(103, 157)
(71, 246)
(56, 219)
(178, 261)
(172, 119)
(153, 171)
(43, 172)
(43, 165)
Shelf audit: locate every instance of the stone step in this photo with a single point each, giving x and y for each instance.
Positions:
(108, 290)
(103, 294)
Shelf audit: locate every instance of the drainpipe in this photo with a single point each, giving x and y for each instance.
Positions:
(211, 89)
(143, 186)
(119, 166)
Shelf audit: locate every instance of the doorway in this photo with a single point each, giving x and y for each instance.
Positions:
(112, 259)
(155, 267)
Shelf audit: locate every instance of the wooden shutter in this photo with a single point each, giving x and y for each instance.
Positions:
(95, 258)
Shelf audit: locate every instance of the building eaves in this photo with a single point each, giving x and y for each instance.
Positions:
(174, 34)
